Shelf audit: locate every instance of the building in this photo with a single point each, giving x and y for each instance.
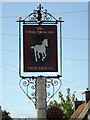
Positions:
(82, 110)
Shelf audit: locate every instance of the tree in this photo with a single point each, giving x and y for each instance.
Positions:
(67, 104)
(6, 115)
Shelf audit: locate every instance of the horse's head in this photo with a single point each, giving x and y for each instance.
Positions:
(45, 42)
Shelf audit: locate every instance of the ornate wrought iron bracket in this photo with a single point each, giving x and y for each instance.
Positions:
(39, 17)
(28, 86)
(25, 85)
(55, 84)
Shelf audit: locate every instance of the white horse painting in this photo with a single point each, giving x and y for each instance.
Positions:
(40, 49)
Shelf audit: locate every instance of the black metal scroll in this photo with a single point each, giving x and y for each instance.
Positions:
(28, 86)
(39, 17)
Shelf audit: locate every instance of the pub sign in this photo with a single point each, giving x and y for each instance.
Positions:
(40, 48)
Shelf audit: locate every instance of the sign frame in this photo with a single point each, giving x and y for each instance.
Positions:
(40, 22)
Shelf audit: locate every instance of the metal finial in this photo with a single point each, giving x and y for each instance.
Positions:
(40, 7)
(20, 18)
(34, 11)
(87, 89)
(45, 10)
(60, 18)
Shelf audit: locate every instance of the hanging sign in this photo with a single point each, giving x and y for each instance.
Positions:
(40, 48)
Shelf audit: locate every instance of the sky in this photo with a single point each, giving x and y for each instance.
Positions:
(75, 52)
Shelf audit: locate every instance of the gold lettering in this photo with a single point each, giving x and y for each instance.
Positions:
(45, 68)
(39, 28)
(32, 68)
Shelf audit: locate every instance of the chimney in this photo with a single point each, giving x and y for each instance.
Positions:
(87, 96)
(77, 103)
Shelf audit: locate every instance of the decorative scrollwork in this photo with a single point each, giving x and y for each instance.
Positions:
(39, 15)
(48, 94)
(52, 83)
(33, 94)
(55, 82)
(33, 86)
(33, 17)
(28, 86)
(48, 85)
(46, 17)
(25, 85)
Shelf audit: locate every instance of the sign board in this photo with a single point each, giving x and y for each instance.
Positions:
(40, 48)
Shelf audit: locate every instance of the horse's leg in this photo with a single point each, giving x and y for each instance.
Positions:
(45, 55)
(35, 55)
(38, 55)
(42, 57)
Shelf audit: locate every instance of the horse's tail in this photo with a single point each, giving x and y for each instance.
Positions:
(32, 47)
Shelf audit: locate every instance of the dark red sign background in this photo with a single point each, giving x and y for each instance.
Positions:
(31, 33)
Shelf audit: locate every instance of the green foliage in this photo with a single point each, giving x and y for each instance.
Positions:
(67, 104)
(6, 115)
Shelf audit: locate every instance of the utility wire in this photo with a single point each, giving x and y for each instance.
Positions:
(58, 37)
(70, 82)
(9, 65)
(73, 84)
(8, 16)
(63, 58)
(12, 51)
(77, 11)
(3, 17)
(9, 34)
(77, 59)
(75, 38)
(9, 69)
(14, 67)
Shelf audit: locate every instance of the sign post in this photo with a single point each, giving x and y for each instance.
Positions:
(40, 58)
(41, 97)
